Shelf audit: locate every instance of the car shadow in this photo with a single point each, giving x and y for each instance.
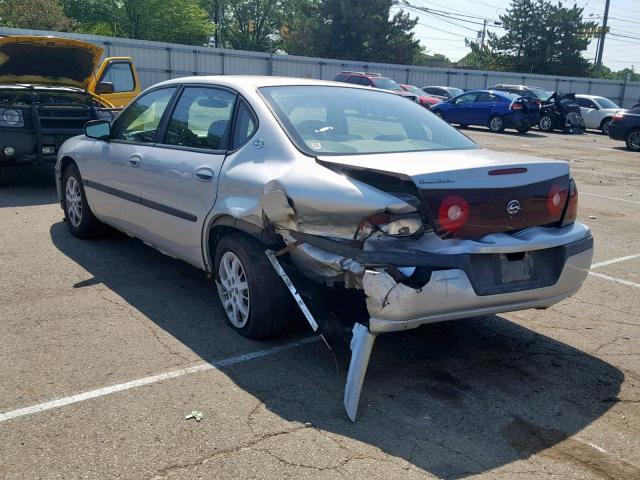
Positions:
(454, 399)
(27, 186)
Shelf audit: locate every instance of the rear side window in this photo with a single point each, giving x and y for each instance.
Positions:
(486, 97)
(201, 119)
(121, 76)
(585, 103)
(245, 126)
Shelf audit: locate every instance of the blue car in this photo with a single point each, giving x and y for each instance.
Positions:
(490, 108)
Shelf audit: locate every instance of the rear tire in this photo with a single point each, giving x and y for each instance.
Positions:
(78, 215)
(255, 300)
(604, 126)
(546, 123)
(496, 124)
(633, 140)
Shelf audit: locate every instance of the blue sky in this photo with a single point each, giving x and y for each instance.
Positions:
(447, 35)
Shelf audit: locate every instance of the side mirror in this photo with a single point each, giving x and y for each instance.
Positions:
(104, 88)
(98, 129)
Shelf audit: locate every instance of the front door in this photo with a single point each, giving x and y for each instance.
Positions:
(111, 172)
(179, 179)
(121, 74)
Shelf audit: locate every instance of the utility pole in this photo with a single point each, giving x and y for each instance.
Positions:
(603, 33)
(484, 31)
(218, 20)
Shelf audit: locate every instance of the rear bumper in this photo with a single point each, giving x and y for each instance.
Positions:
(521, 120)
(450, 294)
(617, 132)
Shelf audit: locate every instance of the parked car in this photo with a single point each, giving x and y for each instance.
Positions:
(425, 100)
(442, 93)
(597, 112)
(626, 126)
(561, 112)
(492, 109)
(536, 93)
(636, 105)
(375, 80)
(49, 88)
(346, 187)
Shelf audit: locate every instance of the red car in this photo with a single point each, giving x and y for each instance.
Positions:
(425, 100)
(375, 80)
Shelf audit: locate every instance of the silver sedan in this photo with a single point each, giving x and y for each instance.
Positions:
(279, 186)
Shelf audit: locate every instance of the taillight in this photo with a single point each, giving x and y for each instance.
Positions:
(556, 200)
(516, 106)
(453, 213)
(617, 117)
(571, 212)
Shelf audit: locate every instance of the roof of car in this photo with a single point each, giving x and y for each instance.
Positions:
(256, 81)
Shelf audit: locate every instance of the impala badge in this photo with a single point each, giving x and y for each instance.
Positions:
(513, 207)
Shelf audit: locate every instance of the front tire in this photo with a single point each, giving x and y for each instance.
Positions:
(633, 140)
(255, 300)
(496, 124)
(79, 217)
(546, 123)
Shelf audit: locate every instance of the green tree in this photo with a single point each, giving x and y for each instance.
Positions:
(36, 14)
(540, 37)
(352, 30)
(252, 24)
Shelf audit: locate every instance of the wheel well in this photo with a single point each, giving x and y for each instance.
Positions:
(605, 120)
(64, 163)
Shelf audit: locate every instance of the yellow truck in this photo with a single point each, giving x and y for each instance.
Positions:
(49, 88)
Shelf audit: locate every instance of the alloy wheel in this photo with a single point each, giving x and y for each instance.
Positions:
(605, 127)
(233, 289)
(73, 199)
(496, 124)
(545, 124)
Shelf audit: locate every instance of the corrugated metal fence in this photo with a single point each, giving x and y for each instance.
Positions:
(157, 61)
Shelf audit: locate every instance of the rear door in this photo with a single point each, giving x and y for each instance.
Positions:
(482, 107)
(179, 178)
(590, 112)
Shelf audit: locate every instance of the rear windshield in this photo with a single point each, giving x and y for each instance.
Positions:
(343, 121)
(606, 103)
(385, 84)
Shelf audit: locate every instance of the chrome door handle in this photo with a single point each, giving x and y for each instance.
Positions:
(135, 160)
(204, 174)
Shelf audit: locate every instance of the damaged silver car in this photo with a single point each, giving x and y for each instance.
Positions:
(281, 188)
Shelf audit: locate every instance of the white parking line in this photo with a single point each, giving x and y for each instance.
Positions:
(614, 260)
(101, 392)
(614, 279)
(610, 198)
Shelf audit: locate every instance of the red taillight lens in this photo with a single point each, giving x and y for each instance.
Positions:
(453, 213)
(516, 106)
(572, 205)
(556, 201)
(617, 117)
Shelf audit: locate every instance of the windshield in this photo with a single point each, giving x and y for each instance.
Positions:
(541, 93)
(605, 102)
(385, 84)
(455, 91)
(342, 120)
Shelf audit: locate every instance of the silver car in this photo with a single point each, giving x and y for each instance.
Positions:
(273, 185)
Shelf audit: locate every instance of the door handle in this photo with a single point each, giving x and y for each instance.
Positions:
(204, 174)
(135, 160)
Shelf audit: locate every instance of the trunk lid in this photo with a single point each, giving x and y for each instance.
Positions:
(47, 61)
(500, 192)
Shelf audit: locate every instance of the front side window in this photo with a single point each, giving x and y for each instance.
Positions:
(140, 121)
(343, 120)
(120, 75)
(201, 118)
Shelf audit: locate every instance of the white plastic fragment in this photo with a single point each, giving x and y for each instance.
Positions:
(361, 346)
(195, 414)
